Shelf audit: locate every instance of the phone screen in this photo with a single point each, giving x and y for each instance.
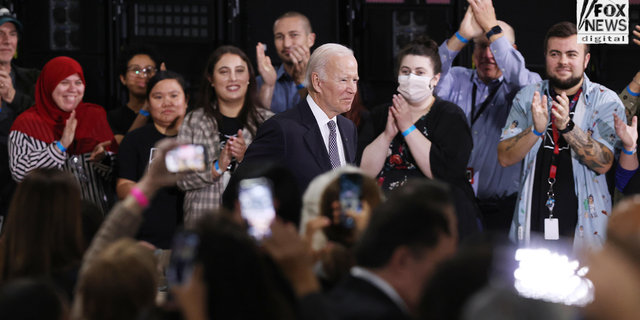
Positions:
(187, 157)
(256, 206)
(183, 255)
(350, 193)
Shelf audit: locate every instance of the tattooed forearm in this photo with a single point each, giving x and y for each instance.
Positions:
(593, 153)
(513, 141)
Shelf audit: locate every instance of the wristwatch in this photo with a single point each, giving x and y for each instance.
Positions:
(569, 127)
(494, 30)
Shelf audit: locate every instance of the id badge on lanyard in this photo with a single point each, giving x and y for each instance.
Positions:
(551, 229)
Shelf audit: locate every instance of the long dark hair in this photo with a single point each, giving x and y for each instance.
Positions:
(43, 231)
(249, 117)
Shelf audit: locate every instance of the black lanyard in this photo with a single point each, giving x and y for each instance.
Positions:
(484, 105)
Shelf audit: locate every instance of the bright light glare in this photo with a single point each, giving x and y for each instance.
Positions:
(548, 276)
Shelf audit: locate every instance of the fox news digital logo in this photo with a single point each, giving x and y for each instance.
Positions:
(602, 22)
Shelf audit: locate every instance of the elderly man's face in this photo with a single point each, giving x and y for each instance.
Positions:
(340, 85)
(8, 42)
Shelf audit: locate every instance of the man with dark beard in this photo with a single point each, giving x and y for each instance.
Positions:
(563, 166)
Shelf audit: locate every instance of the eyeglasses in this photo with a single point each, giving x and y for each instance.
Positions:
(148, 71)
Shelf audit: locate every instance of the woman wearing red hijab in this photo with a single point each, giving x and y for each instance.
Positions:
(61, 131)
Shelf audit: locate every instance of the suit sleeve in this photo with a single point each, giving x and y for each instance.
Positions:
(269, 146)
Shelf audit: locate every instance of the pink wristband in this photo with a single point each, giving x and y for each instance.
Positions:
(140, 197)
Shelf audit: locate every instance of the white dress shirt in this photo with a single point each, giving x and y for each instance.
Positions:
(322, 119)
(381, 284)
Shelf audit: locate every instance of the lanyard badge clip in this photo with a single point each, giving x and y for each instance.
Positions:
(551, 201)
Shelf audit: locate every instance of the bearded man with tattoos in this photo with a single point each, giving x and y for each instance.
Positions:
(565, 137)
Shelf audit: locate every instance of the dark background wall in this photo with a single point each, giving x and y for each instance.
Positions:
(94, 31)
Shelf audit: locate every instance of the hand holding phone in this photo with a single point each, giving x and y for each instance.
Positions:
(256, 206)
(350, 193)
(187, 157)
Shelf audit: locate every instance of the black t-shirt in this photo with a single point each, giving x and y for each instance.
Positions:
(164, 214)
(121, 119)
(566, 201)
(228, 129)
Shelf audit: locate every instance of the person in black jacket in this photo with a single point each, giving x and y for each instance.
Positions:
(17, 89)
(407, 237)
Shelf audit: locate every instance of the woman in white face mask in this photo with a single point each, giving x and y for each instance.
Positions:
(421, 135)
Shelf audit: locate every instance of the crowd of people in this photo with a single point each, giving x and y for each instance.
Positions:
(420, 208)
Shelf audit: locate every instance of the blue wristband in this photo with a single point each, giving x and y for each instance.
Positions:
(629, 152)
(144, 113)
(539, 134)
(408, 131)
(215, 165)
(461, 38)
(300, 86)
(63, 149)
(635, 94)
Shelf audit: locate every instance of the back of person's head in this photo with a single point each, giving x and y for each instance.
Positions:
(133, 50)
(286, 194)
(120, 283)
(91, 221)
(562, 30)
(240, 283)
(458, 279)
(338, 232)
(416, 215)
(43, 233)
(425, 47)
(32, 299)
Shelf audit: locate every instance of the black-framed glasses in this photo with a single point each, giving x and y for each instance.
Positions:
(148, 71)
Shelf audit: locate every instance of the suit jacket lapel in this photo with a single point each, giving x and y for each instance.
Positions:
(344, 134)
(313, 137)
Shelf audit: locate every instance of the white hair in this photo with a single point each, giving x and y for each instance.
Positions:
(320, 58)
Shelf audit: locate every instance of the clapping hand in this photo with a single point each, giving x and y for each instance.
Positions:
(637, 34)
(539, 112)
(99, 152)
(265, 68)
(469, 27)
(628, 134)
(69, 132)
(237, 146)
(299, 57)
(560, 110)
(484, 13)
(7, 92)
(401, 113)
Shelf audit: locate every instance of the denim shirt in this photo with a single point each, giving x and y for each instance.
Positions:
(594, 115)
(285, 94)
(491, 181)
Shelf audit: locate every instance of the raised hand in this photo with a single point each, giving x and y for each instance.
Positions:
(484, 13)
(99, 152)
(637, 34)
(299, 57)
(401, 113)
(69, 132)
(469, 27)
(265, 68)
(158, 176)
(628, 134)
(391, 130)
(539, 112)
(560, 109)
(237, 146)
(163, 67)
(223, 161)
(7, 92)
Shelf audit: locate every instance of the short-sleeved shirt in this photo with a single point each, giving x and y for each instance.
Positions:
(285, 93)
(164, 214)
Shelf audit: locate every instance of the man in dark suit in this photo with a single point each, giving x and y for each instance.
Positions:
(407, 237)
(312, 137)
